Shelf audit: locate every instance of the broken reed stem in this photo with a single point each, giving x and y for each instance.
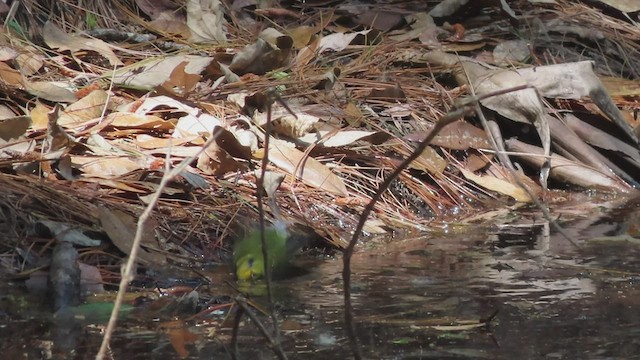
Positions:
(127, 273)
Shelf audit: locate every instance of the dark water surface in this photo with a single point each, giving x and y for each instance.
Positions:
(421, 298)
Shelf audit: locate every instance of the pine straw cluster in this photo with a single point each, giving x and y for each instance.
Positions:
(194, 223)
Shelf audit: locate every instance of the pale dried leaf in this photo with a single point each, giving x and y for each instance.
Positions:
(30, 63)
(39, 116)
(58, 39)
(106, 167)
(271, 181)
(148, 74)
(141, 121)
(49, 91)
(338, 41)
(308, 169)
(10, 76)
(205, 19)
(336, 139)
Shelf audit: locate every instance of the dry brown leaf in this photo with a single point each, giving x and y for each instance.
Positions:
(307, 53)
(10, 76)
(121, 229)
(423, 28)
(180, 82)
(13, 128)
(215, 161)
(301, 35)
(171, 22)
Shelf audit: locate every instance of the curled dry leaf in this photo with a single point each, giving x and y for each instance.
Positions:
(218, 158)
(215, 161)
(285, 122)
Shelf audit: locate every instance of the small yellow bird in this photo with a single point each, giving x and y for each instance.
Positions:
(248, 257)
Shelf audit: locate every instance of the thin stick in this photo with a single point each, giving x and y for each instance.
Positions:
(127, 273)
(265, 251)
(273, 342)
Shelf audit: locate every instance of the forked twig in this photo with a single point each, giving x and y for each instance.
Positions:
(468, 106)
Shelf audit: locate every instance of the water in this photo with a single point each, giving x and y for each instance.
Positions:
(422, 298)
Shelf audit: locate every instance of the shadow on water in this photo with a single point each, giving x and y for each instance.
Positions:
(422, 298)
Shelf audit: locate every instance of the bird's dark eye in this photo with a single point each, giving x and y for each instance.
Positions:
(250, 262)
